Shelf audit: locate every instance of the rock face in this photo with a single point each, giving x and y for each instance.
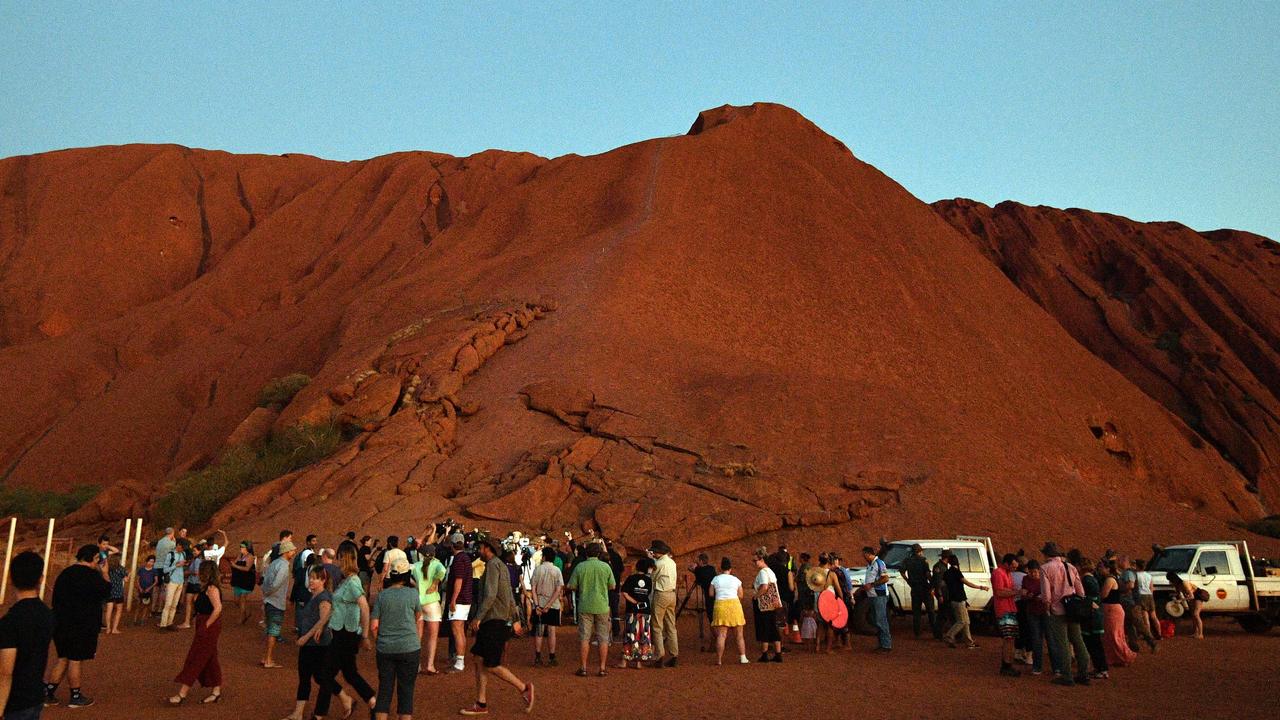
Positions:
(1193, 319)
(710, 338)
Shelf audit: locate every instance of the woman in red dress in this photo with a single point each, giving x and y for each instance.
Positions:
(202, 659)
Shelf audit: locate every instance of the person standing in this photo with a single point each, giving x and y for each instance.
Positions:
(493, 622)
(666, 641)
(202, 658)
(1036, 615)
(460, 584)
(1093, 628)
(349, 621)
(938, 581)
(394, 627)
(956, 583)
(637, 593)
(701, 575)
(191, 578)
(428, 574)
(275, 593)
(244, 577)
(1135, 618)
(164, 563)
(78, 595)
(765, 605)
(314, 637)
(25, 632)
(727, 612)
(1146, 602)
(148, 581)
(115, 604)
(915, 570)
(1060, 581)
(1005, 608)
(592, 579)
(175, 569)
(546, 585)
(876, 585)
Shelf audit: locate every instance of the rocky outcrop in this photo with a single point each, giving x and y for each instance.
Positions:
(1191, 318)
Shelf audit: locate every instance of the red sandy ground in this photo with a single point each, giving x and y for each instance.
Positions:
(1230, 674)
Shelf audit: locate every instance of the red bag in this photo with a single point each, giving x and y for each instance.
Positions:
(1166, 629)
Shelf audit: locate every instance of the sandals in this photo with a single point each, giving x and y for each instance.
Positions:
(582, 672)
(177, 700)
(211, 699)
(602, 673)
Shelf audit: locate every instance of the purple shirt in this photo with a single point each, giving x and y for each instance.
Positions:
(460, 569)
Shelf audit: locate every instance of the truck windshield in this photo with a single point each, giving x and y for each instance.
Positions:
(895, 553)
(1176, 560)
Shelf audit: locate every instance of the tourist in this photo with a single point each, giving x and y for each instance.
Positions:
(765, 605)
(202, 658)
(618, 565)
(175, 570)
(1036, 616)
(329, 563)
(1022, 643)
(349, 621)
(956, 582)
(191, 579)
(727, 612)
(244, 576)
(876, 584)
(314, 637)
(165, 547)
(304, 559)
(214, 550)
(666, 641)
(275, 593)
(915, 571)
(364, 561)
(115, 602)
(845, 581)
(78, 595)
(1093, 628)
(547, 584)
(781, 564)
(1194, 597)
(1114, 617)
(394, 628)
(700, 575)
(637, 637)
(25, 632)
(938, 581)
(1004, 606)
(495, 619)
(148, 580)
(592, 579)
(1060, 581)
(428, 574)
(830, 584)
(285, 535)
(1146, 602)
(460, 584)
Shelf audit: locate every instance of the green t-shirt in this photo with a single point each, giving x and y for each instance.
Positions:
(435, 574)
(346, 609)
(592, 579)
(396, 611)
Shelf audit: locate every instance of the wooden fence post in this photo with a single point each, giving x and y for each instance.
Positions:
(48, 548)
(133, 566)
(8, 556)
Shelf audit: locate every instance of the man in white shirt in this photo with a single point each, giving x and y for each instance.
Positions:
(216, 549)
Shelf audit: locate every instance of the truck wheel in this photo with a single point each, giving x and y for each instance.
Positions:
(1255, 624)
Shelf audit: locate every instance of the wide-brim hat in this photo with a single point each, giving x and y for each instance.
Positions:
(1050, 549)
(659, 548)
(816, 578)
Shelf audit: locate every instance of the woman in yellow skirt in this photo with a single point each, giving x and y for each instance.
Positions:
(727, 612)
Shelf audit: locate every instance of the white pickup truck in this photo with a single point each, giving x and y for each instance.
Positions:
(977, 558)
(1238, 585)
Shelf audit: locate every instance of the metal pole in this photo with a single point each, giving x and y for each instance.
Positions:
(8, 556)
(133, 566)
(48, 548)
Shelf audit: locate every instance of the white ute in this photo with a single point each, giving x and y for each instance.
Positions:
(977, 558)
(1239, 585)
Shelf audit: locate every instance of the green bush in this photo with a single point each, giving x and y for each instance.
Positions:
(196, 496)
(32, 503)
(278, 392)
(1269, 526)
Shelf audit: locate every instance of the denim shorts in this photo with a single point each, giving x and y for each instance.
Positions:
(274, 620)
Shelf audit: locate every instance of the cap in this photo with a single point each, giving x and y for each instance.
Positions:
(287, 546)
(400, 566)
(457, 538)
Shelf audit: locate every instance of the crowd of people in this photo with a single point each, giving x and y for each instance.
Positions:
(397, 599)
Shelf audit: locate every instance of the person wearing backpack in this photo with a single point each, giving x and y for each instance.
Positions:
(1064, 594)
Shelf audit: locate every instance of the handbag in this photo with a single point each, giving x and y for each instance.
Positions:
(1077, 607)
(1201, 594)
(768, 600)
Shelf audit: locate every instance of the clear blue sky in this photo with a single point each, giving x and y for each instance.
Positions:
(1151, 110)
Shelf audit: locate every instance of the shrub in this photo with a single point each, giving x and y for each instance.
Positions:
(278, 392)
(33, 503)
(196, 496)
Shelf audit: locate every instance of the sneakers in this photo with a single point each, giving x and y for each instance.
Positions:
(459, 664)
(552, 662)
(1104, 675)
(777, 657)
(79, 701)
(764, 657)
(742, 660)
(476, 709)
(537, 661)
(671, 662)
(528, 696)
(50, 698)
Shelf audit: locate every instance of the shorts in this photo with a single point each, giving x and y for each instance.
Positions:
(1147, 603)
(116, 601)
(193, 589)
(460, 612)
(491, 642)
(1007, 624)
(76, 645)
(274, 620)
(594, 624)
(240, 592)
(543, 623)
(432, 612)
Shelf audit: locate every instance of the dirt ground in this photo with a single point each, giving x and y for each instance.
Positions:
(1230, 674)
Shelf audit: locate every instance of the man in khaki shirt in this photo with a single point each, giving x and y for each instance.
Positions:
(665, 577)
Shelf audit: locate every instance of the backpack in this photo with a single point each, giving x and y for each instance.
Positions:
(1077, 607)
